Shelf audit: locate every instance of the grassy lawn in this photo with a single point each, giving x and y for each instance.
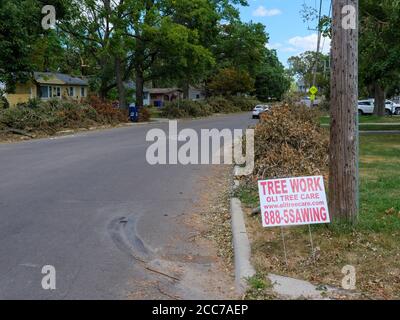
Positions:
(369, 119)
(155, 112)
(380, 184)
(372, 247)
(372, 123)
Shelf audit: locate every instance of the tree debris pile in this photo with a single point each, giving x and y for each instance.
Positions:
(37, 117)
(290, 142)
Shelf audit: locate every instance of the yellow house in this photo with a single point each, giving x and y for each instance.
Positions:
(49, 85)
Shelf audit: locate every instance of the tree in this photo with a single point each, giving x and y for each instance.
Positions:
(302, 66)
(242, 46)
(18, 32)
(272, 81)
(24, 45)
(343, 176)
(95, 30)
(379, 48)
(231, 81)
(172, 33)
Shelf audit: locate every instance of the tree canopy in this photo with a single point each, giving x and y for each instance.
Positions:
(379, 49)
(186, 42)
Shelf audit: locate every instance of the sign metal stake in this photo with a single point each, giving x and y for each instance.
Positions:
(284, 247)
(312, 243)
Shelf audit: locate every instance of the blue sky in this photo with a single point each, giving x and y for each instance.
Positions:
(289, 35)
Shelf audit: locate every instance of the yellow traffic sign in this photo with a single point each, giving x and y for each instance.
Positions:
(312, 97)
(314, 90)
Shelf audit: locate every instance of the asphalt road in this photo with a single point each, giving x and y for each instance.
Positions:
(84, 203)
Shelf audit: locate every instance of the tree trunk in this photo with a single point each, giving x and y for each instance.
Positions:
(343, 153)
(139, 67)
(139, 89)
(120, 83)
(103, 91)
(380, 98)
(186, 89)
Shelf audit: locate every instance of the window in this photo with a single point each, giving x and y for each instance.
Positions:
(71, 91)
(44, 91)
(58, 92)
(82, 91)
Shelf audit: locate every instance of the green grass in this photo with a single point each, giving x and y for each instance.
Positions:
(155, 112)
(371, 123)
(248, 196)
(380, 182)
(368, 119)
(370, 127)
(376, 119)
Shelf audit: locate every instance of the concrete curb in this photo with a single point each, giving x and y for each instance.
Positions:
(241, 246)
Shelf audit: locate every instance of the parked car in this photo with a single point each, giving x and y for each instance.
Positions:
(367, 107)
(307, 101)
(258, 110)
(395, 107)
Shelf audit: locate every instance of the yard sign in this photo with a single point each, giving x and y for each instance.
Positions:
(293, 201)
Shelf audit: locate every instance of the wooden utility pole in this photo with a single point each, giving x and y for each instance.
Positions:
(343, 178)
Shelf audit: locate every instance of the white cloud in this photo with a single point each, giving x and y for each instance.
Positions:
(261, 11)
(309, 43)
(274, 45)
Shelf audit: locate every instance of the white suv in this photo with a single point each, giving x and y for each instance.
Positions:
(368, 106)
(258, 110)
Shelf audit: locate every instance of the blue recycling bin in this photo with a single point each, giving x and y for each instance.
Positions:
(133, 113)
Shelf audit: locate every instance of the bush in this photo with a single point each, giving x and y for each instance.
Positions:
(144, 115)
(32, 103)
(215, 104)
(244, 103)
(186, 109)
(221, 104)
(3, 102)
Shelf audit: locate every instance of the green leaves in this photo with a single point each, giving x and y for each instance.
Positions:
(379, 46)
(231, 81)
(272, 81)
(18, 31)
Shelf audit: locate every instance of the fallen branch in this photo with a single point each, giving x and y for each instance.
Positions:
(167, 294)
(20, 132)
(162, 273)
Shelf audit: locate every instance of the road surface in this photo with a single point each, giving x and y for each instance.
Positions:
(91, 206)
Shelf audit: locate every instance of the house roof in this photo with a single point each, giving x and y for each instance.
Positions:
(58, 78)
(163, 90)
